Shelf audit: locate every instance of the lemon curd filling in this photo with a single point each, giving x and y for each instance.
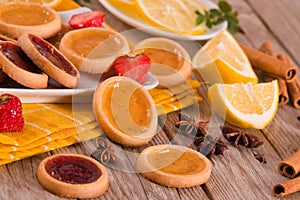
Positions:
(164, 62)
(25, 15)
(127, 108)
(174, 161)
(101, 45)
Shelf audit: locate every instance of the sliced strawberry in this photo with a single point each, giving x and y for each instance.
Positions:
(11, 117)
(87, 19)
(133, 67)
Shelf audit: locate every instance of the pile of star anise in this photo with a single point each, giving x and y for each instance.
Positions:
(104, 154)
(238, 137)
(204, 143)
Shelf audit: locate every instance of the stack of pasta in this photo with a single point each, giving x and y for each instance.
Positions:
(48, 127)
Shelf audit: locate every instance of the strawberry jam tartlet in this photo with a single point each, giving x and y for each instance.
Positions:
(73, 175)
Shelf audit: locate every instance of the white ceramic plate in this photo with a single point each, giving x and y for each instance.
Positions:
(140, 23)
(82, 94)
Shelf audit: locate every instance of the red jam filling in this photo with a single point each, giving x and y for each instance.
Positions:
(74, 170)
(52, 55)
(16, 55)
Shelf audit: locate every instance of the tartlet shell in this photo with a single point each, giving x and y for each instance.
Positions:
(60, 188)
(168, 179)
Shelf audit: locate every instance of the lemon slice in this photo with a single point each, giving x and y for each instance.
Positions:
(49, 3)
(173, 15)
(173, 166)
(247, 105)
(127, 5)
(222, 60)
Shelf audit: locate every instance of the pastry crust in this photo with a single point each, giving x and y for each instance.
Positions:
(18, 73)
(93, 49)
(181, 73)
(172, 179)
(57, 67)
(106, 118)
(16, 25)
(64, 189)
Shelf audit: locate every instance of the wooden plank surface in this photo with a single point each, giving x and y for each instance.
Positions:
(236, 174)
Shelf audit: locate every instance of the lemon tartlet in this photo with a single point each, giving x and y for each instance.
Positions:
(125, 111)
(19, 18)
(93, 50)
(173, 166)
(171, 63)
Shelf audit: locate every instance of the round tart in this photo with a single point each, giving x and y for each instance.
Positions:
(19, 18)
(16, 64)
(173, 166)
(125, 111)
(73, 175)
(49, 59)
(171, 63)
(93, 49)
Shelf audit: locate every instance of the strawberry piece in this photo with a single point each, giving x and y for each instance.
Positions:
(87, 19)
(11, 117)
(132, 67)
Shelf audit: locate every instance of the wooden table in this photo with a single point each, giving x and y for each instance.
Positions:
(236, 174)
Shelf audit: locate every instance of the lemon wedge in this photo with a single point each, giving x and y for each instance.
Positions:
(172, 15)
(222, 60)
(49, 3)
(247, 105)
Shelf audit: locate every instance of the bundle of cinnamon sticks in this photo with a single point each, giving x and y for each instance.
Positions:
(278, 67)
(289, 167)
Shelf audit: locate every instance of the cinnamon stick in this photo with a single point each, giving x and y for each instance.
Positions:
(293, 85)
(288, 187)
(268, 49)
(269, 64)
(290, 166)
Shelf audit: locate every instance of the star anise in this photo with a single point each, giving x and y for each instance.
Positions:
(208, 146)
(238, 137)
(104, 154)
(260, 157)
(190, 125)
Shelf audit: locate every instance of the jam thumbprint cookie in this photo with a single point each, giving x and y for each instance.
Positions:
(73, 175)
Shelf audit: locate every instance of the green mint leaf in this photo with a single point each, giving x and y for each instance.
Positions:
(200, 19)
(208, 23)
(197, 12)
(214, 13)
(224, 6)
(216, 16)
